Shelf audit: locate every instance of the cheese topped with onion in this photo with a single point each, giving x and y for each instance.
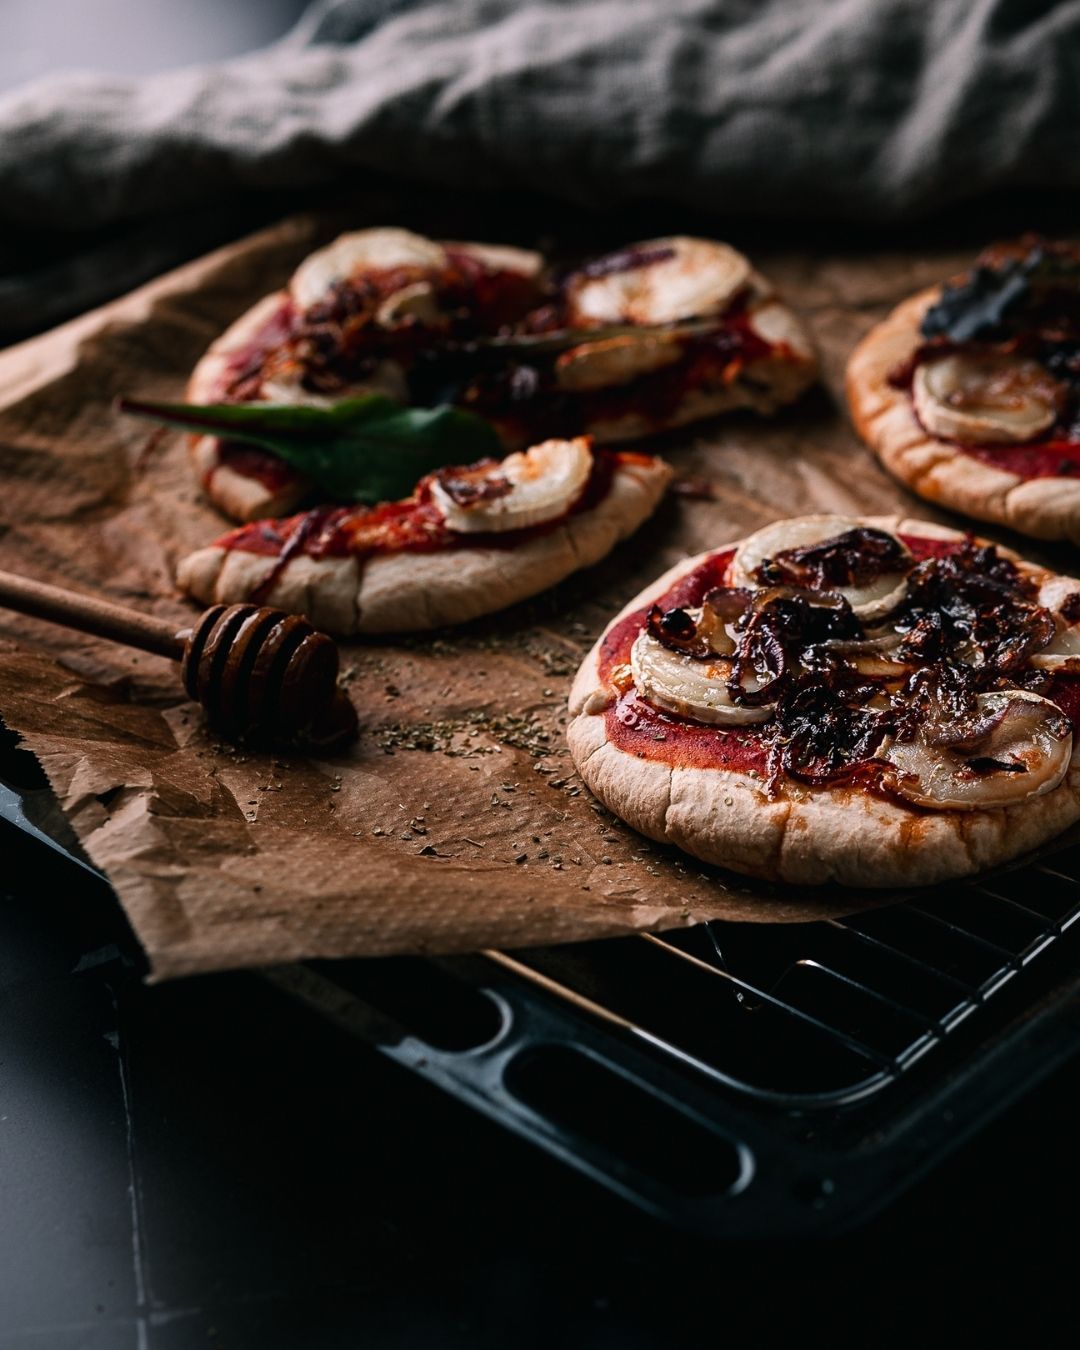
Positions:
(528, 488)
(689, 686)
(1017, 745)
(869, 599)
(985, 398)
(351, 255)
(656, 282)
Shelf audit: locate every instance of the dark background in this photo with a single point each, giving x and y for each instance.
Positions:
(204, 1164)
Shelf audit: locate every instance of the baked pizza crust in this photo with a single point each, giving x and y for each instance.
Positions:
(409, 592)
(1046, 508)
(808, 835)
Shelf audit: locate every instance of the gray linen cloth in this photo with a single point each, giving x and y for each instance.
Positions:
(849, 109)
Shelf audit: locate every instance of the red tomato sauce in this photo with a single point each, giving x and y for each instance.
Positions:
(1046, 459)
(251, 462)
(637, 728)
(414, 525)
(242, 372)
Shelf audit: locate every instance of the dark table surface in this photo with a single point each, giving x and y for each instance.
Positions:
(206, 1164)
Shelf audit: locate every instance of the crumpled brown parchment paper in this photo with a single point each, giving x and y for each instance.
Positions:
(457, 821)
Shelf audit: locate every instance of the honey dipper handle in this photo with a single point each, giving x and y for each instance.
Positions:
(90, 615)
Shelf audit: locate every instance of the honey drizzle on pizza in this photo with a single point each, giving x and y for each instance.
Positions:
(997, 373)
(870, 711)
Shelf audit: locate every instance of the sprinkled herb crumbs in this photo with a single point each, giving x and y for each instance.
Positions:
(519, 731)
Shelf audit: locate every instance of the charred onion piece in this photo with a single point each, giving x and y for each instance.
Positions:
(973, 596)
(1009, 746)
(936, 696)
(850, 559)
(873, 657)
(822, 553)
(703, 632)
(783, 625)
(826, 731)
(468, 484)
(762, 667)
(677, 630)
(728, 603)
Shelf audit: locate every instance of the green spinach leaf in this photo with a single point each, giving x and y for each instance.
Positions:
(366, 449)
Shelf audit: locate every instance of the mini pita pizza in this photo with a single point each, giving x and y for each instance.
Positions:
(873, 702)
(970, 392)
(469, 541)
(685, 329)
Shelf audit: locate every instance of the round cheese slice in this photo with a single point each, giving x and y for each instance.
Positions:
(983, 400)
(868, 602)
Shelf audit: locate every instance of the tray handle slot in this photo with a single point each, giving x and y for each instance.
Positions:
(580, 1094)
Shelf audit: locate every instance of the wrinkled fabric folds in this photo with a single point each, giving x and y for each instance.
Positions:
(851, 109)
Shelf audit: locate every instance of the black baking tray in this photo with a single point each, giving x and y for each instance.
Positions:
(738, 1080)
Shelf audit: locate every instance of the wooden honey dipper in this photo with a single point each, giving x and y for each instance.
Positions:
(261, 675)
